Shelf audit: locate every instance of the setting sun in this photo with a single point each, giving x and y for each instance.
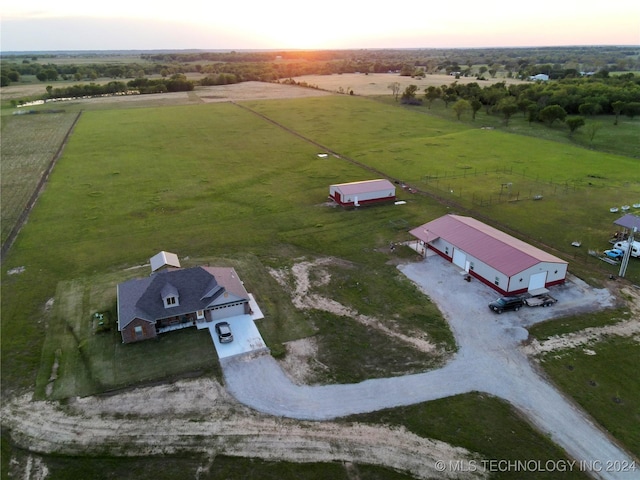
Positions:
(285, 24)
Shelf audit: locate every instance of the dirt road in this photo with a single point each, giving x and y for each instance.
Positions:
(490, 360)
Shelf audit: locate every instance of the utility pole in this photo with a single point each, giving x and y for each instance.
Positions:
(627, 253)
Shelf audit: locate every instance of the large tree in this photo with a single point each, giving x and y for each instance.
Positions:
(476, 105)
(460, 107)
(574, 123)
(617, 107)
(432, 93)
(508, 107)
(552, 113)
(395, 89)
(409, 95)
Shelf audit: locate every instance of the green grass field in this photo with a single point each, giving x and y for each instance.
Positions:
(482, 424)
(603, 378)
(29, 142)
(215, 181)
(621, 139)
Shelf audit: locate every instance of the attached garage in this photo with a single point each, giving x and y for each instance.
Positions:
(499, 260)
(356, 194)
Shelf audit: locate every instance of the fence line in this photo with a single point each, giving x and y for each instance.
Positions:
(22, 219)
(439, 181)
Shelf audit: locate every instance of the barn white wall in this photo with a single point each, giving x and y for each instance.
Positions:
(490, 274)
(363, 197)
(555, 272)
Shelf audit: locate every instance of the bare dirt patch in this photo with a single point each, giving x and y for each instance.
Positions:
(303, 298)
(199, 416)
(301, 361)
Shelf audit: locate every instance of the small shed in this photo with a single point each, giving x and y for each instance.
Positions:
(356, 194)
(497, 259)
(163, 260)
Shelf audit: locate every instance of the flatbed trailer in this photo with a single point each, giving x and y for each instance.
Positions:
(539, 298)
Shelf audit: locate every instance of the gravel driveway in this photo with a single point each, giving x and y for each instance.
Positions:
(489, 360)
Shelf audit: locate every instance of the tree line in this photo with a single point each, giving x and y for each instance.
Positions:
(545, 102)
(177, 83)
(557, 62)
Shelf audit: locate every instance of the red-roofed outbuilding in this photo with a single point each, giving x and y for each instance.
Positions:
(501, 261)
(356, 194)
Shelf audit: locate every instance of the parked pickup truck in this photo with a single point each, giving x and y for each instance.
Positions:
(539, 298)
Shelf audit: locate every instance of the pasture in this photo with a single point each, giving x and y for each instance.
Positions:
(602, 380)
(112, 205)
(493, 174)
(191, 180)
(216, 181)
(29, 143)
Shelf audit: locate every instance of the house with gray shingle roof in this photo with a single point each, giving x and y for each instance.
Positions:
(175, 298)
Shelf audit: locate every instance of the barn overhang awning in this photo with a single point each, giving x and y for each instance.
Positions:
(629, 221)
(423, 234)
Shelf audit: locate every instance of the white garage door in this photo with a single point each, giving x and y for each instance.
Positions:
(227, 312)
(537, 280)
(459, 258)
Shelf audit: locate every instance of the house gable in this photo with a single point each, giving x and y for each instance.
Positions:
(138, 330)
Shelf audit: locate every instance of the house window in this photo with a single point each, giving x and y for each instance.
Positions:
(171, 301)
(470, 265)
(446, 250)
(497, 281)
(138, 331)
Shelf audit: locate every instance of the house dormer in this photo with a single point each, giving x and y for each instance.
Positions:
(170, 296)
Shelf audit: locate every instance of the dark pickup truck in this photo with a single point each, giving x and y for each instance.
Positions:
(506, 303)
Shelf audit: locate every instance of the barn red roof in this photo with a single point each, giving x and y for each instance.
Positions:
(501, 251)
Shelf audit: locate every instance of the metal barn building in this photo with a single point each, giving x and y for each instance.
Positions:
(497, 259)
(355, 194)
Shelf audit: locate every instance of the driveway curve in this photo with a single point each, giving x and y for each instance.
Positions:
(489, 360)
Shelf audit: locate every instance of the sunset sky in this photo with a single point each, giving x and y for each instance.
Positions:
(38, 25)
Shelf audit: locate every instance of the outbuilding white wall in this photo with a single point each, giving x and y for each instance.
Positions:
(362, 197)
(556, 272)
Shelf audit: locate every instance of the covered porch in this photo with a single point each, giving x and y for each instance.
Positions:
(179, 322)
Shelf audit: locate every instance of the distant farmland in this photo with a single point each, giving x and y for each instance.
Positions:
(29, 144)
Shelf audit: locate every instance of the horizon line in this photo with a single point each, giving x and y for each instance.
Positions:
(195, 49)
